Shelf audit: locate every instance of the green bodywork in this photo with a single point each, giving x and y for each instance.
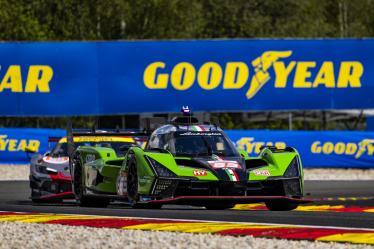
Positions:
(105, 162)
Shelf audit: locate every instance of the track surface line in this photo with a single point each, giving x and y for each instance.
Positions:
(14, 197)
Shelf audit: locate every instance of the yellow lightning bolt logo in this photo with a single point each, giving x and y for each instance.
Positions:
(261, 66)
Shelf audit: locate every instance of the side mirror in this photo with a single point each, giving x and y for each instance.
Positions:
(124, 148)
(243, 153)
(48, 153)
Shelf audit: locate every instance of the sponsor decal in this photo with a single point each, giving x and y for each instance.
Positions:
(261, 172)
(56, 160)
(224, 164)
(249, 144)
(100, 139)
(199, 173)
(37, 79)
(270, 66)
(14, 145)
(198, 128)
(232, 175)
(364, 147)
(189, 133)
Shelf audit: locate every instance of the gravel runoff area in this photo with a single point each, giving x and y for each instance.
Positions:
(21, 172)
(26, 235)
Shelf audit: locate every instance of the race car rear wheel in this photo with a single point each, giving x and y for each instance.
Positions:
(78, 186)
(281, 205)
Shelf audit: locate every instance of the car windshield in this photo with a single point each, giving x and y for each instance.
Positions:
(201, 144)
(60, 149)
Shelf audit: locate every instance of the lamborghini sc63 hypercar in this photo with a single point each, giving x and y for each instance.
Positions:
(185, 162)
(50, 179)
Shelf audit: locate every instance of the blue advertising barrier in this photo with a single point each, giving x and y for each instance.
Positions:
(317, 149)
(13, 142)
(91, 78)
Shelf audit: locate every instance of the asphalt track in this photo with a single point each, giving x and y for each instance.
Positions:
(14, 197)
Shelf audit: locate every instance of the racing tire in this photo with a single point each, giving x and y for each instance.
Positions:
(132, 180)
(80, 197)
(219, 206)
(132, 187)
(281, 205)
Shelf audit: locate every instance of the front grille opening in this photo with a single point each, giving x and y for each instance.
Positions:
(164, 187)
(115, 162)
(265, 188)
(255, 163)
(190, 163)
(292, 188)
(210, 189)
(56, 187)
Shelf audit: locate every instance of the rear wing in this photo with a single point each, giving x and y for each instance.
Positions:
(54, 139)
(140, 136)
(109, 132)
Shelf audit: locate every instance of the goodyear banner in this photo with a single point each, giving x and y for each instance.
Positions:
(13, 143)
(328, 149)
(318, 149)
(90, 78)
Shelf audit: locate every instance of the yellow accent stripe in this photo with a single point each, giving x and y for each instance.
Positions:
(198, 227)
(347, 198)
(310, 208)
(318, 208)
(100, 139)
(37, 218)
(247, 206)
(188, 227)
(299, 208)
(358, 238)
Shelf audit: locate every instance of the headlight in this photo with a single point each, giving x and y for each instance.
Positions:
(45, 170)
(293, 168)
(159, 169)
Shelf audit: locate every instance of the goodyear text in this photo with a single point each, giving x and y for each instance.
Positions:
(238, 74)
(14, 145)
(365, 146)
(37, 79)
(249, 144)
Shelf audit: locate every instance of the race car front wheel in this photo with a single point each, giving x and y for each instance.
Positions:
(132, 187)
(281, 205)
(78, 186)
(132, 180)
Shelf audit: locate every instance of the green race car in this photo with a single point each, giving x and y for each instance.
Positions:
(186, 162)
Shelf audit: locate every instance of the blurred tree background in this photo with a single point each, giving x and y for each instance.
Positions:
(41, 20)
(60, 20)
